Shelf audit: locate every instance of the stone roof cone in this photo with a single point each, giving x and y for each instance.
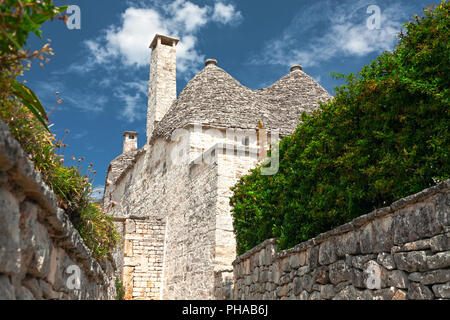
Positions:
(215, 98)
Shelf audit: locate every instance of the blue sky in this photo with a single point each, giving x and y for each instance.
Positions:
(101, 71)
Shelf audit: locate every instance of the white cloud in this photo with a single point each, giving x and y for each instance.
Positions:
(188, 58)
(188, 15)
(346, 34)
(226, 13)
(130, 40)
(126, 45)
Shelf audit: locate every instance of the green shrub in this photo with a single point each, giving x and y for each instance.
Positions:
(120, 291)
(27, 122)
(383, 137)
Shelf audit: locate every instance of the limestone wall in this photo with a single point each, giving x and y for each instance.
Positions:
(151, 190)
(42, 255)
(143, 258)
(188, 198)
(398, 252)
(190, 238)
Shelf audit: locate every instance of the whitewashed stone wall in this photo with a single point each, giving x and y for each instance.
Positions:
(399, 252)
(142, 258)
(189, 197)
(40, 250)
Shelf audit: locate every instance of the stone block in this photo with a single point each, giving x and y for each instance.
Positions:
(32, 284)
(128, 274)
(383, 234)
(285, 267)
(262, 257)
(313, 257)
(415, 276)
(7, 291)
(23, 293)
(416, 222)
(418, 291)
(295, 261)
(307, 282)
(9, 233)
(422, 244)
(59, 262)
(47, 290)
(384, 294)
(374, 276)
(40, 264)
(268, 255)
(339, 272)
(440, 260)
(440, 243)
(435, 276)
(321, 275)
(302, 271)
(398, 279)
(315, 296)
(347, 243)
(442, 212)
(358, 279)
(265, 276)
(342, 285)
(255, 275)
(400, 295)
(411, 261)
(327, 252)
(298, 287)
(367, 239)
(276, 276)
(442, 290)
(282, 291)
(327, 291)
(361, 260)
(130, 226)
(386, 260)
(304, 295)
(347, 293)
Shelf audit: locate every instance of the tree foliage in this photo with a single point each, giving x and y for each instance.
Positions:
(384, 136)
(19, 18)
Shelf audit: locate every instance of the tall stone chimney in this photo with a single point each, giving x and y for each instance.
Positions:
(163, 82)
(129, 141)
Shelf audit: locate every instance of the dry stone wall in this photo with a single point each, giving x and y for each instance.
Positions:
(399, 252)
(42, 255)
(143, 258)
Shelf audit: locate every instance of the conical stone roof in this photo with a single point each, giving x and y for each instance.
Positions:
(214, 98)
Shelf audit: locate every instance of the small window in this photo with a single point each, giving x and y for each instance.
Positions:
(246, 141)
(131, 137)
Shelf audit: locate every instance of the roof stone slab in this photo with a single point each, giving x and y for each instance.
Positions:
(214, 98)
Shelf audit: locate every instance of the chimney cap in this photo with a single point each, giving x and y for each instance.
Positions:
(166, 40)
(130, 133)
(296, 67)
(210, 62)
